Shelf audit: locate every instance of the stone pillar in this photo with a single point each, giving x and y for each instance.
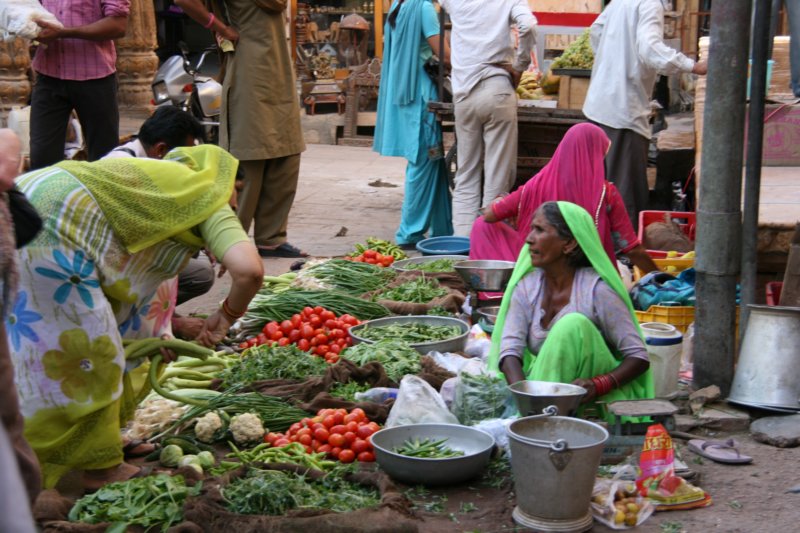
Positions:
(136, 59)
(15, 87)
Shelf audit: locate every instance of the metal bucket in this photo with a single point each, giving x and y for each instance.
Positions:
(555, 461)
(768, 372)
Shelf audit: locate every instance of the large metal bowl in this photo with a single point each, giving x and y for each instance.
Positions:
(411, 264)
(533, 396)
(476, 445)
(483, 275)
(489, 314)
(454, 344)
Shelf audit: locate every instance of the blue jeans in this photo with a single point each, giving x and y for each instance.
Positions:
(793, 12)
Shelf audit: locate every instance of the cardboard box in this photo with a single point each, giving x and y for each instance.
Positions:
(781, 136)
(572, 92)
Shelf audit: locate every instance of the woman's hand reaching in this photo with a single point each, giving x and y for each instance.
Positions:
(214, 329)
(591, 390)
(168, 354)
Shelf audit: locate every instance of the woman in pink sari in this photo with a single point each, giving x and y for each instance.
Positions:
(575, 174)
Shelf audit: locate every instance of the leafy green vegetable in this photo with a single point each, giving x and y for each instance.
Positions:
(410, 332)
(347, 391)
(396, 357)
(272, 492)
(480, 397)
(437, 265)
(419, 290)
(273, 362)
(147, 502)
(349, 276)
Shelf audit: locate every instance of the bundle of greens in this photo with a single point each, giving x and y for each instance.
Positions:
(347, 391)
(419, 291)
(273, 362)
(347, 276)
(147, 502)
(480, 397)
(396, 357)
(437, 265)
(273, 492)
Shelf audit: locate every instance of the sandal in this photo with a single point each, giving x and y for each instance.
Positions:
(726, 452)
(284, 250)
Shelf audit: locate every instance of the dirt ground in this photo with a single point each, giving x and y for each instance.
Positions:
(746, 498)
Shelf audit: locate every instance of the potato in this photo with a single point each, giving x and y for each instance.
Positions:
(619, 517)
(630, 519)
(632, 508)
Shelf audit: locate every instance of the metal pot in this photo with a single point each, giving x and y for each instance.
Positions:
(768, 372)
(454, 344)
(533, 396)
(555, 461)
(479, 275)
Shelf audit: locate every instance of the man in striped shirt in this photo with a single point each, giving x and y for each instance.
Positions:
(76, 69)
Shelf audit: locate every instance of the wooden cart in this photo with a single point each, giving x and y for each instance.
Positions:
(540, 131)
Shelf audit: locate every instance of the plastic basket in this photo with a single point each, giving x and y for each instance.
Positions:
(680, 316)
(774, 292)
(688, 226)
(678, 265)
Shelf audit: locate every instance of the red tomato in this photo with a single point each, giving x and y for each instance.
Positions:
(315, 321)
(336, 439)
(370, 253)
(374, 426)
(330, 324)
(349, 319)
(295, 335)
(305, 440)
(386, 261)
(261, 338)
(366, 457)
(327, 315)
(322, 349)
(359, 413)
(271, 328)
(280, 443)
(306, 331)
(339, 429)
(297, 320)
(286, 326)
(318, 309)
(332, 359)
(350, 437)
(351, 425)
(351, 418)
(329, 421)
(284, 341)
(364, 431)
(325, 448)
(334, 349)
(277, 335)
(335, 451)
(321, 338)
(347, 456)
(294, 428)
(303, 430)
(359, 446)
(321, 434)
(317, 425)
(271, 438)
(303, 344)
(307, 311)
(339, 416)
(243, 345)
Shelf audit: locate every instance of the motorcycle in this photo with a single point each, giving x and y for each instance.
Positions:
(177, 82)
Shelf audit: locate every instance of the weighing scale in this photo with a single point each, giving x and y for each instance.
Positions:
(627, 438)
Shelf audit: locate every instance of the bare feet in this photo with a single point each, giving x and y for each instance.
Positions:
(187, 327)
(94, 479)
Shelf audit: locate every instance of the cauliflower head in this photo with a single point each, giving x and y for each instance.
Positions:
(247, 428)
(207, 427)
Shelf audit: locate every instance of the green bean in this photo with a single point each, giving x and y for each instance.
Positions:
(410, 332)
(427, 449)
(419, 290)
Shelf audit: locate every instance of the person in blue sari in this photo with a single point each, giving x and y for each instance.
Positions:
(404, 125)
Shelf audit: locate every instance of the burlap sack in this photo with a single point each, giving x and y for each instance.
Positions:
(452, 301)
(666, 236)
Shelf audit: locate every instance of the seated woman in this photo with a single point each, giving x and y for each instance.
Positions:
(116, 233)
(566, 316)
(574, 174)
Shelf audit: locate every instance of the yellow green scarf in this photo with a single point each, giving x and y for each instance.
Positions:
(147, 201)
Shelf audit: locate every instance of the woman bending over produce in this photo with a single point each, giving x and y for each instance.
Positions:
(114, 230)
(566, 316)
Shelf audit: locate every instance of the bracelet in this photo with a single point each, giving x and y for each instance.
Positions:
(602, 384)
(226, 309)
(211, 19)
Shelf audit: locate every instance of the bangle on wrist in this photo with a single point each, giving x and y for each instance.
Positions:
(211, 19)
(230, 313)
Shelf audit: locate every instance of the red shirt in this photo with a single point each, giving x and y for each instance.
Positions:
(79, 59)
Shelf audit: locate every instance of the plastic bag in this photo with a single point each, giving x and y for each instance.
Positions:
(617, 503)
(657, 480)
(498, 429)
(418, 403)
(481, 396)
(478, 343)
(452, 362)
(17, 19)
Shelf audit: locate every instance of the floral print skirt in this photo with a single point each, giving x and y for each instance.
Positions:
(80, 293)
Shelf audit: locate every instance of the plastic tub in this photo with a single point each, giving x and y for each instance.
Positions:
(664, 346)
(444, 246)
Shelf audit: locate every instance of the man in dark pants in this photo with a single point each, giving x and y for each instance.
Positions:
(76, 69)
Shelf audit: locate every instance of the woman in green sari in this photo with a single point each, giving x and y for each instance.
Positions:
(566, 316)
(116, 233)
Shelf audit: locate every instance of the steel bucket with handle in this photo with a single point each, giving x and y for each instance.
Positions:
(768, 373)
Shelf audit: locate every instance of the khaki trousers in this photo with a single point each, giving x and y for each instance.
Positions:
(486, 131)
(13, 422)
(267, 197)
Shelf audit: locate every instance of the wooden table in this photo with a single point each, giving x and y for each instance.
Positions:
(540, 131)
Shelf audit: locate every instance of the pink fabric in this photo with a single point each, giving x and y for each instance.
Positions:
(79, 59)
(574, 174)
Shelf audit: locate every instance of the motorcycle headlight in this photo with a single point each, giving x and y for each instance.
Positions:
(160, 94)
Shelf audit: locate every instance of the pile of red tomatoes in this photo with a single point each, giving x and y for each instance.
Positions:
(343, 435)
(315, 330)
(372, 257)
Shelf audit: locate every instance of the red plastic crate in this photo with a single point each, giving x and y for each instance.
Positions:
(774, 292)
(648, 217)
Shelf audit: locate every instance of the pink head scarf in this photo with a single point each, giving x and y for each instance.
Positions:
(575, 174)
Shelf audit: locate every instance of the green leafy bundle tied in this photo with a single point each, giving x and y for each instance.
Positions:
(273, 362)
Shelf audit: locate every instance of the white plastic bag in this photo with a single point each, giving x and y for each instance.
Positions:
(498, 429)
(452, 362)
(17, 19)
(418, 403)
(478, 343)
(481, 395)
(617, 503)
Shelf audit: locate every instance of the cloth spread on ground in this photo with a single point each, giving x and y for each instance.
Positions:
(576, 174)
(452, 301)
(147, 201)
(577, 348)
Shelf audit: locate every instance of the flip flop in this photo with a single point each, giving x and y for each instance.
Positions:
(284, 250)
(726, 452)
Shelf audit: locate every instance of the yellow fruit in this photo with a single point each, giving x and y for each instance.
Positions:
(633, 508)
(630, 519)
(670, 268)
(689, 255)
(672, 253)
(619, 517)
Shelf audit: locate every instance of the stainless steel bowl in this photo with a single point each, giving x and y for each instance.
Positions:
(410, 264)
(533, 396)
(454, 344)
(489, 314)
(476, 445)
(482, 275)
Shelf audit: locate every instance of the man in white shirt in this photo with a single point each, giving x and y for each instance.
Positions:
(486, 70)
(629, 48)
